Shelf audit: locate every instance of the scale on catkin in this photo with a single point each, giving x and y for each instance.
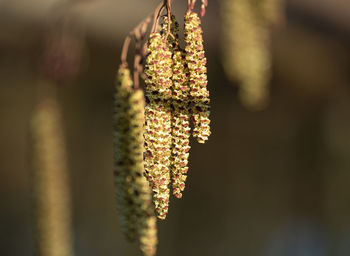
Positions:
(132, 189)
(51, 193)
(246, 47)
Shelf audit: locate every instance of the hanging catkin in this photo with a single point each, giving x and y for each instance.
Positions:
(133, 193)
(51, 191)
(196, 62)
(158, 121)
(246, 43)
(180, 111)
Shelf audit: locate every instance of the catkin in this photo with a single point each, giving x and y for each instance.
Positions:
(246, 43)
(51, 191)
(196, 62)
(133, 193)
(158, 121)
(180, 111)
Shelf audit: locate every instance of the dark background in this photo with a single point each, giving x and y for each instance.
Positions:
(269, 183)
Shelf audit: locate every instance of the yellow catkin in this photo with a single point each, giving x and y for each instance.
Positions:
(196, 62)
(180, 112)
(51, 192)
(158, 121)
(134, 195)
(246, 43)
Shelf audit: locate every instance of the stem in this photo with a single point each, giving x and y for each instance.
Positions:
(125, 50)
(203, 7)
(190, 4)
(156, 15)
(137, 70)
(141, 30)
(168, 2)
(137, 59)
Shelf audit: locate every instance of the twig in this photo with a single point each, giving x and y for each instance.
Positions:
(137, 59)
(142, 26)
(168, 6)
(125, 50)
(203, 7)
(190, 4)
(156, 15)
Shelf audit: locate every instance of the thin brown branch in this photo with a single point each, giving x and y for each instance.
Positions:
(125, 50)
(203, 7)
(156, 15)
(137, 59)
(139, 30)
(168, 6)
(190, 4)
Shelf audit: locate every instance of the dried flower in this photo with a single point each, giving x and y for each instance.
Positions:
(158, 121)
(51, 191)
(196, 62)
(133, 192)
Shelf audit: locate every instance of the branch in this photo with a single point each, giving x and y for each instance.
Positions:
(140, 30)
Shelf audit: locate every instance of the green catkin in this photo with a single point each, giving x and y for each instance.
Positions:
(158, 121)
(196, 62)
(51, 191)
(180, 112)
(133, 193)
(122, 164)
(246, 43)
(272, 11)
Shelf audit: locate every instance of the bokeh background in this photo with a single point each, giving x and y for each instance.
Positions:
(269, 183)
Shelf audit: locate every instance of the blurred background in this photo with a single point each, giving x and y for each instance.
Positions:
(274, 182)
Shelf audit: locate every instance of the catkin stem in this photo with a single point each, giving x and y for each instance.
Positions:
(137, 32)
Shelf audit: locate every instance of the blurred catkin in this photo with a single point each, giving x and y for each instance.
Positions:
(196, 63)
(158, 121)
(63, 53)
(180, 111)
(246, 46)
(51, 192)
(134, 195)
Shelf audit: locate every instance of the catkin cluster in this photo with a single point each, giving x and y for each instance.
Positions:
(196, 63)
(133, 193)
(246, 43)
(176, 91)
(50, 186)
(158, 121)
